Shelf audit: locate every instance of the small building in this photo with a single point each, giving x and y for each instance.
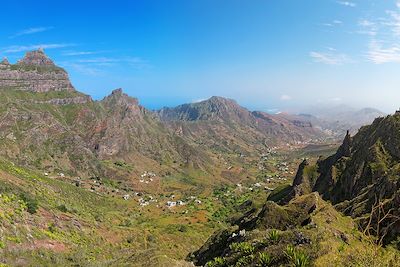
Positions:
(171, 204)
(180, 203)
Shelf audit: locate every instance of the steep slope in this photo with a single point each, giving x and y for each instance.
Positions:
(362, 177)
(306, 232)
(36, 73)
(223, 125)
(47, 124)
(50, 222)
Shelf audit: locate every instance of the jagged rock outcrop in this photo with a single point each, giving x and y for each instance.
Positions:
(303, 182)
(36, 58)
(305, 223)
(35, 72)
(363, 175)
(58, 127)
(5, 62)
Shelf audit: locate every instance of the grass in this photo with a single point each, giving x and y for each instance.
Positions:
(91, 227)
(264, 259)
(242, 247)
(274, 236)
(296, 257)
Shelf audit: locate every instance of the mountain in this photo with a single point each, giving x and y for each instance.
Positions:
(306, 223)
(35, 73)
(214, 109)
(111, 183)
(223, 125)
(50, 126)
(47, 124)
(337, 120)
(361, 178)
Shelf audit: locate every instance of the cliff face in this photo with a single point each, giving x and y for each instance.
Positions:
(362, 177)
(36, 73)
(47, 124)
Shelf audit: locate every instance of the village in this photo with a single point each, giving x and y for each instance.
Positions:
(271, 167)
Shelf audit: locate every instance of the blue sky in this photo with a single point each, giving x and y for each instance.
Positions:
(282, 54)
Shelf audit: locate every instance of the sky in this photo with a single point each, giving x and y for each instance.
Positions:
(266, 54)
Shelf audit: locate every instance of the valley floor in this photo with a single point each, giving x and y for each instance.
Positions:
(54, 220)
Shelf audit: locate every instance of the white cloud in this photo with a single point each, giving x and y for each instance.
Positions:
(199, 100)
(346, 3)
(82, 68)
(367, 27)
(79, 53)
(31, 31)
(330, 58)
(366, 23)
(333, 23)
(135, 62)
(394, 23)
(286, 97)
(379, 54)
(96, 66)
(22, 48)
(384, 42)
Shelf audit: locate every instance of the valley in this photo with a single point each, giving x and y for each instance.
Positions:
(108, 182)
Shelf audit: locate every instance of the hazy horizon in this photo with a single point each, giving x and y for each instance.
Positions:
(266, 55)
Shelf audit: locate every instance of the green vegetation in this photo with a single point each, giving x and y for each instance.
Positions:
(31, 203)
(217, 262)
(280, 192)
(274, 236)
(264, 259)
(242, 247)
(296, 257)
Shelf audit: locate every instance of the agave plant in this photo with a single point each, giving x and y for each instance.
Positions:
(264, 259)
(296, 257)
(274, 236)
(217, 262)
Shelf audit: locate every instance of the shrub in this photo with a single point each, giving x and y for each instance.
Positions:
(289, 252)
(62, 208)
(52, 228)
(301, 259)
(274, 236)
(245, 261)
(217, 262)
(297, 258)
(264, 259)
(31, 203)
(243, 247)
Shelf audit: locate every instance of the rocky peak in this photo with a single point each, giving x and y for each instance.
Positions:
(36, 58)
(345, 149)
(215, 108)
(118, 92)
(299, 179)
(221, 103)
(221, 100)
(5, 61)
(36, 73)
(118, 98)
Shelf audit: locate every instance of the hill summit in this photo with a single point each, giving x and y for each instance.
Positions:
(36, 58)
(35, 72)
